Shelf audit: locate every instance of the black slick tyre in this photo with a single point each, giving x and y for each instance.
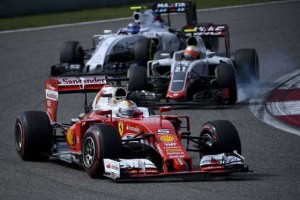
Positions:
(226, 79)
(143, 51)
(222, 137)
(247, 65)
(33, 134)
(72, 53)
(100, 141)
(137, 78)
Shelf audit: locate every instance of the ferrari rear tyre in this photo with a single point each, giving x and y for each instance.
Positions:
(72, 53)
(137, 78)
(33, 133)
(222, 137)
(247, 65)
(100, 141)
(226, 79)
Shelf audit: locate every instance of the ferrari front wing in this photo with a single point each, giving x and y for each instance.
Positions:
(220, 164)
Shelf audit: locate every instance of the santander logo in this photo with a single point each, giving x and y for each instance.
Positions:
(82, 80)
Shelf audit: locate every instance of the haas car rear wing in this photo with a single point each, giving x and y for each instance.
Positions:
(75, 84)
(187, 7)
(210, 31)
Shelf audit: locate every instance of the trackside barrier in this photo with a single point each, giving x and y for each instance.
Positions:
(13, 8)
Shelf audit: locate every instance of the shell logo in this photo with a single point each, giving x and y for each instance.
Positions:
(167, 138)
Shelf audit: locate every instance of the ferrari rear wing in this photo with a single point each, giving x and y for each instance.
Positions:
(73, 84)
(210, 31)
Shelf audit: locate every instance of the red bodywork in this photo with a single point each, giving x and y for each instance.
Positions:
(164, 131)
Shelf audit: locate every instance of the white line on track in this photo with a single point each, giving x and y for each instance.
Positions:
(262, 112)
(127, 18)
(291, 84)
(284, 108)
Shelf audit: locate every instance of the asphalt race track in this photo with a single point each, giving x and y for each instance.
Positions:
(273, 154)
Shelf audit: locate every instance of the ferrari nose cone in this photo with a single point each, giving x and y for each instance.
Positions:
(179, 164)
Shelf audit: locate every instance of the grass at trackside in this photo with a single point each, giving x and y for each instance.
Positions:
(97, 14)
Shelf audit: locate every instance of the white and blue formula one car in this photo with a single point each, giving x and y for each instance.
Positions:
(114, 53)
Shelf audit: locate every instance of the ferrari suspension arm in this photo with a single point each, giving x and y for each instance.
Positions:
(137, 138)
(199, 142)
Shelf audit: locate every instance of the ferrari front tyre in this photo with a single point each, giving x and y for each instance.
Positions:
(137, 78)
(33, 133)
(100, 141)
(226, 79)
(72, 53)
(220, 136)
(247, 65)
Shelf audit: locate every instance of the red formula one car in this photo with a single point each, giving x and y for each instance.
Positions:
(119, 140)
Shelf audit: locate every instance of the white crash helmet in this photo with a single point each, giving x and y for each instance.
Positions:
(126, 108)
(192, 53)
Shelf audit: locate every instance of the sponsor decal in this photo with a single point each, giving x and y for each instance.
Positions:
(176, 156)
(52, 95)
(82, 81)
(163, 131)
(205, 30)
(215, 29)
(173, 150)
(175, 153)
(159, 150)
(170, 144)
(167, 138)
(171, 5)
(112, 167)
(131, 128)
(49, 103)
(121, 128)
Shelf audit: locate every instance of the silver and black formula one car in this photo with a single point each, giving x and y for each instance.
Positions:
(114, 53)
(119, 140)
(209, 78)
